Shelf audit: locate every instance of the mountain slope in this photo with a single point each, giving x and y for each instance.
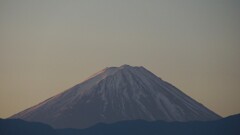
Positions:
(116, 94)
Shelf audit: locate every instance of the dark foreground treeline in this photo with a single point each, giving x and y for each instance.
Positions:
(225, 126)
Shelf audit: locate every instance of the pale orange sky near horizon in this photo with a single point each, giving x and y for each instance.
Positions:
(47, 46)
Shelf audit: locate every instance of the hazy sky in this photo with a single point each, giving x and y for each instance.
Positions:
(47, 46)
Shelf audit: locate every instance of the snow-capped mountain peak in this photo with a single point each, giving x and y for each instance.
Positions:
(116, 94)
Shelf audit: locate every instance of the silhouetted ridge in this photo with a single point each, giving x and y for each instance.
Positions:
(225, 126)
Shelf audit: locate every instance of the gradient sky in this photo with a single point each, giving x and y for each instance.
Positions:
(47, 46)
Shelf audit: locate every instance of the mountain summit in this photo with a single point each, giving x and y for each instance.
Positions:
(117, 94)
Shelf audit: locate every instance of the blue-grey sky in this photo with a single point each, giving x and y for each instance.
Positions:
(47, 46)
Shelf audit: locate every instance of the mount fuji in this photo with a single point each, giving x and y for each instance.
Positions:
(117, 94)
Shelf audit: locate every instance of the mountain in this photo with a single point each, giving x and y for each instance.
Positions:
(225, 126)
(116, 94)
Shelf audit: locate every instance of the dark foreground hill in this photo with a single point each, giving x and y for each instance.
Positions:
(21, 127)
(225, 126)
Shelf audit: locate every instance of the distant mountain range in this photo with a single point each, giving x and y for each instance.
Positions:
(116, 94)
(225, 126)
